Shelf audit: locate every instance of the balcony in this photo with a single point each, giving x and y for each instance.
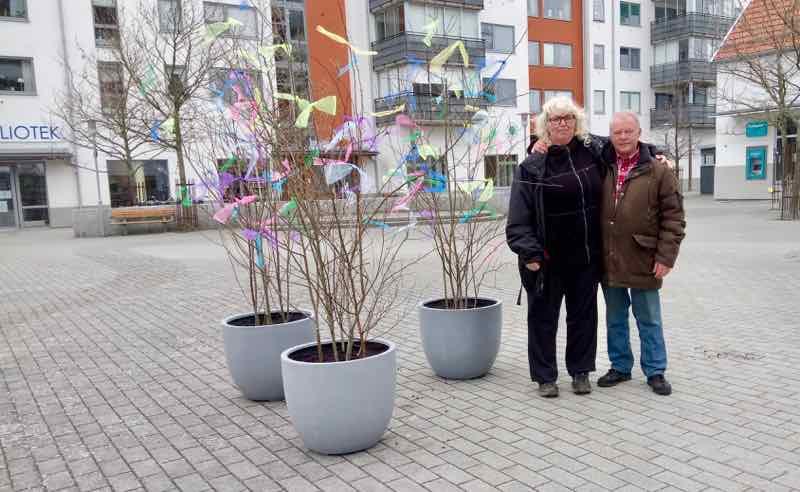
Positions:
(424, 110)
(470, 4)
(690, 24)
(694, 115)
(399, 48)
(682, 72)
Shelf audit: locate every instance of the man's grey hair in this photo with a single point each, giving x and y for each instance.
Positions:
(623, 114)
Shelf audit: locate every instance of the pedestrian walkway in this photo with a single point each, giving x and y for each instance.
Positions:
(113, 377)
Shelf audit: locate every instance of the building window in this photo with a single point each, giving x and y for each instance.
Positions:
(220, 12)
(630, 59)
(169, 15)
(663, 101)
(599, 52)
(535, 100)
(533, 52)
(551, 94)
(598, 11)
(499, 39)
(106, 25)
(630, 14)
(599, 102)
(16, 75)
(631, 101)
(390, 22)
(112, 89)
(533, 8)
(500, 168)
(16, 9)
(557, 55)
(558, 9)
(503, 90)
(757, 162)
(138, 183)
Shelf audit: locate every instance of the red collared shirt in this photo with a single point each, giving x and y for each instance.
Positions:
(624, 166)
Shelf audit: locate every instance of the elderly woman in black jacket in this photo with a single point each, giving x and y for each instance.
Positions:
(554, 228)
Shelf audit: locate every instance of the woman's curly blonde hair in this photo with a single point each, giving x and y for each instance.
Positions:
(558, 106)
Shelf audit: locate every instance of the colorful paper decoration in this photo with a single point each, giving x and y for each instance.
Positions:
(344, 41)
(215, 30)
(427, 150)
(230, 210)
(429, 29)
(326, 104)
(438, 61)
(390, 112)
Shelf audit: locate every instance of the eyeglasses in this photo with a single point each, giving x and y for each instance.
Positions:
(563, 119)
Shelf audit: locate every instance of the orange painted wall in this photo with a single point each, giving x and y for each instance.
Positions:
(557, 31)
(325, 57)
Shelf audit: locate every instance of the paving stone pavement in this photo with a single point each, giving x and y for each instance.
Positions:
(112, 377)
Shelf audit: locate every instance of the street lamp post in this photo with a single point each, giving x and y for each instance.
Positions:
(100, 222)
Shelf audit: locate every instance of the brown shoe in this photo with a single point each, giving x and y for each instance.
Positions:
(548, 390)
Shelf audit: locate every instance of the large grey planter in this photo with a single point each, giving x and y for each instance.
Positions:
(340, 407)
(253, 354)
(461, 343)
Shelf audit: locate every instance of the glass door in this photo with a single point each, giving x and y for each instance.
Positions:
(32, 186)
(8, 212)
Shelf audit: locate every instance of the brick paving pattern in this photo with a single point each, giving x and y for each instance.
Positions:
(112, 377)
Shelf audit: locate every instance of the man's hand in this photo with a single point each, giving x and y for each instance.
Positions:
(540, 147)
(661, 271)
(533, 266)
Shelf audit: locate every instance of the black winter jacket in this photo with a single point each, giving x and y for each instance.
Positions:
(526, 232)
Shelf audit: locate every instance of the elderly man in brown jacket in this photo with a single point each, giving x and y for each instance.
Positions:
(642, 226)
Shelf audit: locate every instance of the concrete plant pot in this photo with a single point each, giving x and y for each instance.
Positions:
(340, 407)
(253, 353)
(461, 343)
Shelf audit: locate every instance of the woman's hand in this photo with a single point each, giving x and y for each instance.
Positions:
(540, 147)
(533, 266)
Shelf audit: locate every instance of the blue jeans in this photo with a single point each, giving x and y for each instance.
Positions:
(647, 311)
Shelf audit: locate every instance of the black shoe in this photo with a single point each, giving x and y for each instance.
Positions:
(581, 384)
(548, 390)
(659, 384)
(612, 378)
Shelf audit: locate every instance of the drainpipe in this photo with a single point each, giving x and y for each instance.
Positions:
(69, 87)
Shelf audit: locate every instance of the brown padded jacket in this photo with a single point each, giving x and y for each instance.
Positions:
(645, 225)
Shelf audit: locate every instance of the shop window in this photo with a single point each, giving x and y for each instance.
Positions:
(138, 183)
(106, 24)
(220, 12)
(15, 9)
(756, 163)
(500, 168)
(16, 75)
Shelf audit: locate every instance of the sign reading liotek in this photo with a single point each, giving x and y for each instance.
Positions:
(29, 132)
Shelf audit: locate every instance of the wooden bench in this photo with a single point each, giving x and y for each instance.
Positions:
(142, 215)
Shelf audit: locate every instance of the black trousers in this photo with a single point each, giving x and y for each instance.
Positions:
(578, 286)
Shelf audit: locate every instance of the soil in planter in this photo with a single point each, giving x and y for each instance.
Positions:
(276, 319)
(471, 303)
(310, 354)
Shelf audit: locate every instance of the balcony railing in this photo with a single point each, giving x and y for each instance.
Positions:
(695, 115)
(399, 48)
(430, 110)
(681, 72)
(476, 4)
(690, 24)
